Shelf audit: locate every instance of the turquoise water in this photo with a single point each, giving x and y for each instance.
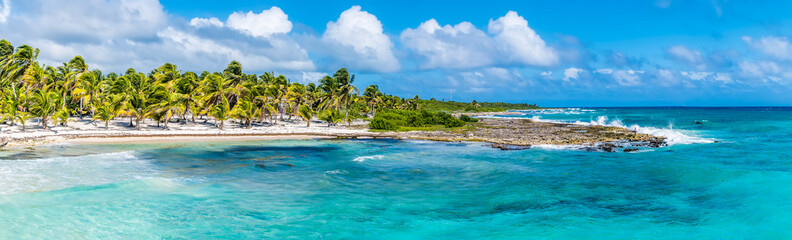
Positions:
(737, 188)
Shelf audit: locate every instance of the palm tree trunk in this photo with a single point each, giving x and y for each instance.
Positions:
(107, 127)
(137, 123)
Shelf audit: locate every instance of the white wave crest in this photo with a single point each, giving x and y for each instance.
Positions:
(334, 172)
(673, 136)
(364, 158)
(557, 147)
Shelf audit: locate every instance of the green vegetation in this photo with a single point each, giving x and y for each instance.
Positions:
(434, 105)
(54, 94)
(405, 119)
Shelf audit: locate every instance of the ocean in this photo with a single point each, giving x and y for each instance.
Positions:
(726, 174)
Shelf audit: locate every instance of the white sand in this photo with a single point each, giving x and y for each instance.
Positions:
(87, 131)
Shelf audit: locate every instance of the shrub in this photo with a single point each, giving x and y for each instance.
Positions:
(332, 117)
(382, 124)
(453, 122)
(467, 118)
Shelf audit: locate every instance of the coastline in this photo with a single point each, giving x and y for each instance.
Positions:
(84, 132)
(505, 134)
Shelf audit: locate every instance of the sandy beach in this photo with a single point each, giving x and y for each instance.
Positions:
(93, 132)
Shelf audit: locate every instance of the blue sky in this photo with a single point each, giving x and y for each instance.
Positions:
(553, 53)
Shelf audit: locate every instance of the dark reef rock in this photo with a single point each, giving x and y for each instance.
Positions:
(507, 147)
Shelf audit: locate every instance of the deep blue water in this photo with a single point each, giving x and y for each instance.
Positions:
(737, 188)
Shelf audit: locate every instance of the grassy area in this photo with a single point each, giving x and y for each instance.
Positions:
(405, 120)
(434, 105)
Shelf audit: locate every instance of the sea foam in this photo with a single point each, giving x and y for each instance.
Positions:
(33, 175)
(364, 158)
(673, 136)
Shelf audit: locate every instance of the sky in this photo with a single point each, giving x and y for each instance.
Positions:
(551, 53)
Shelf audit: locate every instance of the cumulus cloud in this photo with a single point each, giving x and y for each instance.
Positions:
(775, 47)
(264, 24)
(118, 34)
(359, 41)
(510, 42)
(459, 46)
(572, 73)
(206, 22)
(513, 36)
(89, 20)
(196, 47)
(5, 10)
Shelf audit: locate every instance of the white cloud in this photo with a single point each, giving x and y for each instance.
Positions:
(361, 32)
(264, 24)
(627, 77)
(546, 74)
(696, 75)
(722, 77)
(604, 71)
(707, 76)
(776, 47)
(666, 77)
(510, 42)
(691, 57)
(460, 46)
(114, 35)
(5, 11)
(487, 80)
(758, 69)
(195, 47)
(523, 45)
(312, 77)
(90, 20)
(572, 73)
(206, 22)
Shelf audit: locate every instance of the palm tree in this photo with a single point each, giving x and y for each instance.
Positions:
(331, 116)
(245, 111)
(187, 86)
(105, 112)
(44, 105)
(345, 89)
(220, 112)
(77, 68)
(215, 89)
(169, 103)
(139, 108)
(306, 114)
(372, 95)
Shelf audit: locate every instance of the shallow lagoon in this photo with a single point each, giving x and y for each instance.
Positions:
(739, 188)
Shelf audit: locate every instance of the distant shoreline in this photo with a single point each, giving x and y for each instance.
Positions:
(506, 134)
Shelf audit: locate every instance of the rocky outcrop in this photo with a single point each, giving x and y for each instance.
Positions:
(506, 133)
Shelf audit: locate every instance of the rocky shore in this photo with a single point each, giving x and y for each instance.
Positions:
(517, 134)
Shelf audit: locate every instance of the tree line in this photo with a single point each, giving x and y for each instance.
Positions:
(55, 94)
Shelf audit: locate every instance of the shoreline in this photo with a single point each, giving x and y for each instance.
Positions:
(506, 134)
